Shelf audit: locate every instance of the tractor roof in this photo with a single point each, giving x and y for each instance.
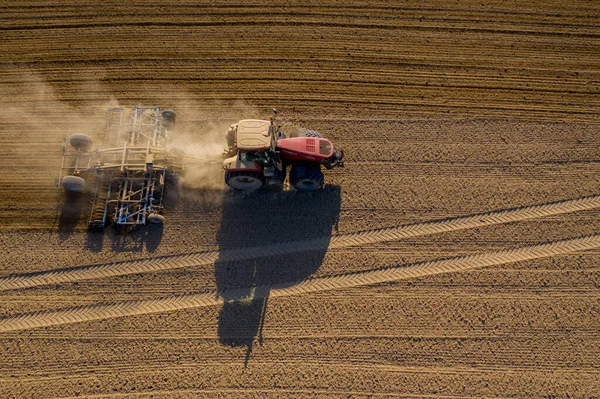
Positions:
(253, 134)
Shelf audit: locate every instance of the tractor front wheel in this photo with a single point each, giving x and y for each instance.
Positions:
(307, 177)
(245, 181)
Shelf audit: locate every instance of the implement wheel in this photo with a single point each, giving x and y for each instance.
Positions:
(74, 184)
(169, 117)
(81, 142)
(245, 181)
(155, 218)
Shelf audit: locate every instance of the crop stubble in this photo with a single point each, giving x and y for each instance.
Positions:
(444, 111)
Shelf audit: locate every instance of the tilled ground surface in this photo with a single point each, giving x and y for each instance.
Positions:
(444, 110)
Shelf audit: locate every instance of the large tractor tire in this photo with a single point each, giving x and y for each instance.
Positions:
(245, 181)
(306, 177)
(302, 132)
(74, 184)
(81, 142)
(169, 117)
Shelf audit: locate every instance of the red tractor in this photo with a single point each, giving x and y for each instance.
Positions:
(259, 154)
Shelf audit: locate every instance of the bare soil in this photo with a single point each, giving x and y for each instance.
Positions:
(444, 110)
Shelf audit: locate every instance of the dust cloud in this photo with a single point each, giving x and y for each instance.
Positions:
(48, 116)
(199, 135)
(42, 107)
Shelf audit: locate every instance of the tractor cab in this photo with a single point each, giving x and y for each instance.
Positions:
(250, 135)
(252, 140)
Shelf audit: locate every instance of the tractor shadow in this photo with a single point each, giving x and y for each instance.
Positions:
(265, 219)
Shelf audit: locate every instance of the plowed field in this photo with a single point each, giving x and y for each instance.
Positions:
(457, 255)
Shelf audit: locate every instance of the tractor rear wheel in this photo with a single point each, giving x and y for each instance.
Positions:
(81, 142)
(73, 184)
(245, 181)
(306, 177)
(302, 132)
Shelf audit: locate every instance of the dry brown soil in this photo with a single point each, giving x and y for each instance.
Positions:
(444, 109)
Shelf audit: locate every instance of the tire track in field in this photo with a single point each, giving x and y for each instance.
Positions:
(60, 276)
(344, 281)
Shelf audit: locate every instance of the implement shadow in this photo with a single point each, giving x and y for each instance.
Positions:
(70, 214)
(135, 238)
(261, 219)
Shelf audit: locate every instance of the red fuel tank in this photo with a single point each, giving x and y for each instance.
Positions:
(305, 149)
